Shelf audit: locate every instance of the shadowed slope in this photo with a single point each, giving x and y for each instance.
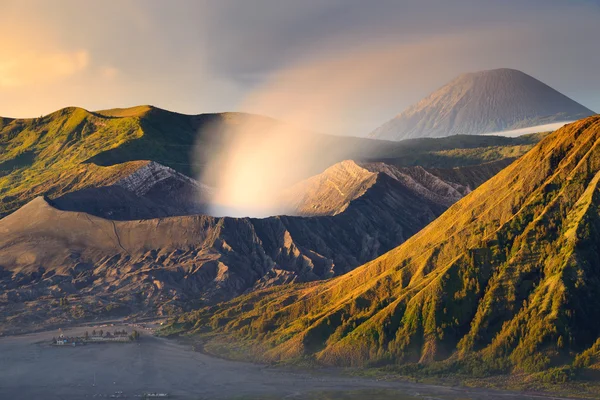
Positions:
(509, 275)
(151, 191)
(332, 191)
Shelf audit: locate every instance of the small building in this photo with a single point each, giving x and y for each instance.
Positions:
(68, 340)
(62, 340)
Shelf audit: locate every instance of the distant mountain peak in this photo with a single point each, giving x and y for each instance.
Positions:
(495, 71)
(482, 102)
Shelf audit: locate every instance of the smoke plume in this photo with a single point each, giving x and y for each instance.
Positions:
(258, 158)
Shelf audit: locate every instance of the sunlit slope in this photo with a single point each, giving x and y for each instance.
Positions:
(72, 148)
(47, 155)
(332, 191)
(50, 155)
(509, 274)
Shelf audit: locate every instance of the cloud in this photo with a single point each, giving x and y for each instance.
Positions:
(30, 68)
(327, 91)
(203, 56)
(109, 72)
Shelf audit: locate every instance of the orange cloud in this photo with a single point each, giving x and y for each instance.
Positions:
(31, 67)
(109, 72)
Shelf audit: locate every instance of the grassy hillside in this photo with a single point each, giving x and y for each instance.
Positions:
(460, 150)
(72, 149)
(47, 155)
(506, 281)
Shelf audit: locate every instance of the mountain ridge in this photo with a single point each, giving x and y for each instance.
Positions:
(73, 149)
(151, 191)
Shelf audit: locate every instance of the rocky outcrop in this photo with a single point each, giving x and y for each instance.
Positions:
(332, 191)
(424, 183)
(151, 191)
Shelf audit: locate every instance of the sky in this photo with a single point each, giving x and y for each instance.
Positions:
(350, 65)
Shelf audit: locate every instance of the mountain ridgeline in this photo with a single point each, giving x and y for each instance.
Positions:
(506, 280)
(483, 102)
(74, 149)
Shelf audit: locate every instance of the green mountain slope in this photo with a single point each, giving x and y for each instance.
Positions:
(507, 279)
(73, 149)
